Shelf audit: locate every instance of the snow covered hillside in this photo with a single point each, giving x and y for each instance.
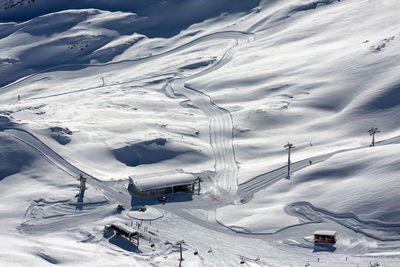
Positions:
(154, 89)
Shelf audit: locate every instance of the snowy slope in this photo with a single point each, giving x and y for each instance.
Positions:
(210, 88)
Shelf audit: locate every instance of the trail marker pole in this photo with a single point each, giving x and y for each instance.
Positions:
(288, 146)
(180, 252)
(82, 181)
(372, 132)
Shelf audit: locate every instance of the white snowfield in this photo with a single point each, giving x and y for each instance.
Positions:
(169, 91)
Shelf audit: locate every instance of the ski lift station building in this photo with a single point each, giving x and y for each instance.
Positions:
(164, 184)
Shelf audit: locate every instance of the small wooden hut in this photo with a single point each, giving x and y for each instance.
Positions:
(122, 229)
(325, 237)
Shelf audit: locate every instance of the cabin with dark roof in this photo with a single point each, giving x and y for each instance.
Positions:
(325, 237)
(161, 185)
(124, 230)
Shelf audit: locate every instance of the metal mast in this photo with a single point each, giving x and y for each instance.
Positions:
(372, 132)
(288, 146)
(180, 250)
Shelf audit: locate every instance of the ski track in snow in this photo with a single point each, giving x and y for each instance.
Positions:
(97, 87)
(221, 136)
(68, 67)
(221, 140)
(247, 189)
(220, 119)
(377, 230)
(51, 156)
(306, 212)
(66, 218)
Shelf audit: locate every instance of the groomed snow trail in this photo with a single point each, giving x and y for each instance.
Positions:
(220, 119)
(53, 158)
(221, 140)
(303, 210)
(308, 213)
(247, 189)
(55, 217)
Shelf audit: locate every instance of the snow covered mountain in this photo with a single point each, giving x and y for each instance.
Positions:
(112, 89)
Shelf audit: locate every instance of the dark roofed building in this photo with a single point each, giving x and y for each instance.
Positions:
(160, 185)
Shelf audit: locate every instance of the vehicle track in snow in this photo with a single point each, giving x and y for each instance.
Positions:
(221, 141)
(247, 189)
(42, 217)
(71, 219)
(221, 136)
(58, 161)
(220, 119)
(303, 210)
(308, 213)
(116, 65)
(66, 217)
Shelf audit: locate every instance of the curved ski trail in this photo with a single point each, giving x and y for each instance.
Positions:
(51, 156)
(220, 119)
(308, 213)
(247, 189)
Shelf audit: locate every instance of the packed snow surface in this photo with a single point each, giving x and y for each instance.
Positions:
(169, 91)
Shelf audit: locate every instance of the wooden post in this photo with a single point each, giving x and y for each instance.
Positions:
(196, 185)
(82, 181)
(180, 250)
(199, 187)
